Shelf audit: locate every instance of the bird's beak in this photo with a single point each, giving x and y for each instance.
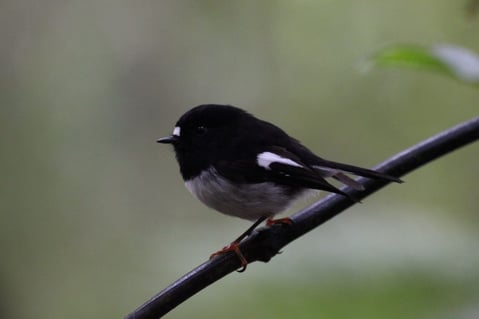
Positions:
(168, 139)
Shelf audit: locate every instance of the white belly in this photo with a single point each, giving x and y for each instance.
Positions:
(248, 201)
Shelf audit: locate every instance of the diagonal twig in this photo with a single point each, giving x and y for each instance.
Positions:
(264, 243)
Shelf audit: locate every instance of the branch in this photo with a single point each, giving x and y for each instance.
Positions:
(265, 243)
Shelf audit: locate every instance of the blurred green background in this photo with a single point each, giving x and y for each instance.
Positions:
(95, 218)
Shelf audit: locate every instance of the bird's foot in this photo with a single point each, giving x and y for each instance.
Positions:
(233, 247)
(282, 221)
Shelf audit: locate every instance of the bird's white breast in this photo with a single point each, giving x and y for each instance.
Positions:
(248, 201)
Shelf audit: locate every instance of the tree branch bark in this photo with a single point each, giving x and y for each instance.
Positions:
(265, 243)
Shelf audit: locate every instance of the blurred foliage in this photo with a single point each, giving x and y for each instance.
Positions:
(456, 62)
(407, 295)
(472, 7)
(94, 216)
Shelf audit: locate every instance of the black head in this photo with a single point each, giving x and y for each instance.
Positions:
(204, 133)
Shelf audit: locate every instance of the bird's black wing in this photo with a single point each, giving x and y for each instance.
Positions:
(276, 165)
(335, 169)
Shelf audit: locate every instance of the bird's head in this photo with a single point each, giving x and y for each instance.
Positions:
(204, 133)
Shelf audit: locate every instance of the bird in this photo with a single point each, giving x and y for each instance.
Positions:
(242, 166)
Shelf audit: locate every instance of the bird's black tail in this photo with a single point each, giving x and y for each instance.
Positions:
(358, 171)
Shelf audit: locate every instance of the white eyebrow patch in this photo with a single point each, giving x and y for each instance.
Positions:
(177, 131)
(265, 159)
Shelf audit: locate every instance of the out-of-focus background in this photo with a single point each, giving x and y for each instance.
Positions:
(95, 218)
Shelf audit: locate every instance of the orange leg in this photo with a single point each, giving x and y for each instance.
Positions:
(234, 246)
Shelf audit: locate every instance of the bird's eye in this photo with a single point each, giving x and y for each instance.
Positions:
(201, 130)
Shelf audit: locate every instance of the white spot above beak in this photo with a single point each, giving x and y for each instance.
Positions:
(177, 131)
(265, 159)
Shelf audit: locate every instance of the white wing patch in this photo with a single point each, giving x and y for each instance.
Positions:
(177, 131)
(265, 159)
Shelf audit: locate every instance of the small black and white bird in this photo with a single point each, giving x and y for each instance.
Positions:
(245, 167)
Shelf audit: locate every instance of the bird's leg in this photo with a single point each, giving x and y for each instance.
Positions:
(234, 245)
(249, 230)
(280, 221)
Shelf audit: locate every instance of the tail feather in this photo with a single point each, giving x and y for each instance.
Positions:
(356, 171)
(346, 180)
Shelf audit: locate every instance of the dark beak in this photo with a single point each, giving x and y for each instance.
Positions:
(168, 139)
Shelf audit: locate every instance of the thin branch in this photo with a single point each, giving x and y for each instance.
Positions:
(265, 243)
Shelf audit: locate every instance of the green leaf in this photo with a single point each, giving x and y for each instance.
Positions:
(454, 61)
